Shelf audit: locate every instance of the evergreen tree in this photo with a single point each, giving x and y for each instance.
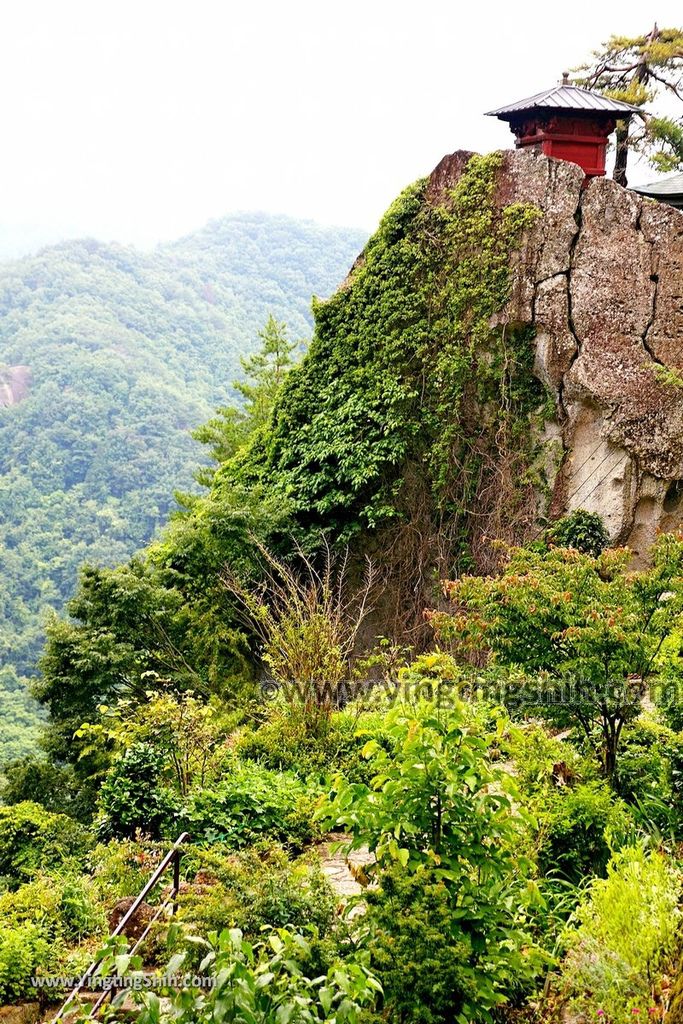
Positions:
(638, 70)
(264, 374)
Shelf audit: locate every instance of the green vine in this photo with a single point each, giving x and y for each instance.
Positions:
(406, 376)
(489, 366)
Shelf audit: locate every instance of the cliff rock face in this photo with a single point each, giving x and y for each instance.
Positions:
(600, 276)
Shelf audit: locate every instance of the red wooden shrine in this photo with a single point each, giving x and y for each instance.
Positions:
(567, 123)
(579, 139)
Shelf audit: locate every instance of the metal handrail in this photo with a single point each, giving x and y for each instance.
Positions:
(173, 856)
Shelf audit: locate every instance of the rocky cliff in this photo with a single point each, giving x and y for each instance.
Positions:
(504, 350)
(599, 276)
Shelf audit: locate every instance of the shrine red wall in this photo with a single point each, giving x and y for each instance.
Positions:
(580, 140)
(587, 153)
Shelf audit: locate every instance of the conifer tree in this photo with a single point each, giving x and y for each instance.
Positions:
(641, 70)
(264, 373)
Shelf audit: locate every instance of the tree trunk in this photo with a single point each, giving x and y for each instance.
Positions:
(610, 759)
(622, 154)
(611, 733)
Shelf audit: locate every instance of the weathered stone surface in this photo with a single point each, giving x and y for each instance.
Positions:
(662, 227)
(138, 922)
(446, 174)
(600, 276)
(554, 186)
(556, 345)
(345, 873)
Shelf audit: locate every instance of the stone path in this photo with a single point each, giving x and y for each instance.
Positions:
(342, 871)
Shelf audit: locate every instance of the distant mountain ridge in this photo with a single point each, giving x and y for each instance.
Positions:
(108, 357)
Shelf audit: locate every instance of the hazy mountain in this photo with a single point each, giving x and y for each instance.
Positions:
(108, 357)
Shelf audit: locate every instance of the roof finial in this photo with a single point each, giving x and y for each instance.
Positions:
(565, 78)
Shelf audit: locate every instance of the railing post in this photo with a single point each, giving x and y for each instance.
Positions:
(176, 881)
(172, 857)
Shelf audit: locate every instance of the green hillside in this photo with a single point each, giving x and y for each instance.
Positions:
(108, 357)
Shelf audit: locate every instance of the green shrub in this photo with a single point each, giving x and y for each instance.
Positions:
(625, 936)
(25, 951)
(61, 907)
(675, 773)
(669, 691)
(54, 787)
(582, 530)
(121, 867)
(79, 912)
(433, 966)
(535, 753)
(252, 889)
(33, 840)
(133, 797)
(252, 803)
(36, 902)
(175, 741)
(642, 772)
(284, 743)
(645, 775)
(270, 982)
(578, 829)
(442, 821)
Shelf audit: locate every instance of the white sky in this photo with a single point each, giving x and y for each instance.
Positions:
(141, 120)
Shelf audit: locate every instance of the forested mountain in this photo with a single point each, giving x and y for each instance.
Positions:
(108, 358)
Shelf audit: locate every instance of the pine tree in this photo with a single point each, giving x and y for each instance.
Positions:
(639, 70)
(264, 374)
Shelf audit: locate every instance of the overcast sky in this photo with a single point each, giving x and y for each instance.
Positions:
(139, 120)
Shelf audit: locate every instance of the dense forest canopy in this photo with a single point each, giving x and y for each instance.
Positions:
(108, 358)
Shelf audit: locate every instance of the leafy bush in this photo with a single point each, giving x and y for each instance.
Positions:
(61, 907)
(121, 867)
(306, 621)
(669, 691)
(582, 530)
(579, 828)
(32, 840)
(625, 934)
(252, 803)
(284, 743)
(675, 756)
(535, 754)
(253, 889)
(134, 798)
(642, 769)
(433, 965)
(268, 983)
(440, 812)
(648, 777)
(187, 733)
(40, 781)
(35, 903)
(589, 633)
(24, 950)
(79, 913)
